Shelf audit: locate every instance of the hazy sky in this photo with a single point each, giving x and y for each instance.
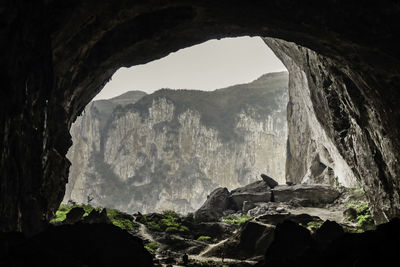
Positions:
(207, 66)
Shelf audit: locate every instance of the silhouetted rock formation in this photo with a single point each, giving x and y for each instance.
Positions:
(75, 245)
(58, 54)
(269, 181)
(294, 246)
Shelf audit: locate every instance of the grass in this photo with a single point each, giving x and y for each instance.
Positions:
(237, 220)
(117, 217)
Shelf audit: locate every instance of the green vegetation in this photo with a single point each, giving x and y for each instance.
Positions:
(169, 221)
(61, 213)
(204, 238)
(121, 219)
(364, 218)
(151, 247)
(314, 225)
(237, 220)
(118, 218)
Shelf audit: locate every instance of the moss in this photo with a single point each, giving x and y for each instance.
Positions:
(204, 238)
(151, 247)
(117, 217)
(313, 225)
(120, 219)
(169, 221)
(237, 220)
(61, 213)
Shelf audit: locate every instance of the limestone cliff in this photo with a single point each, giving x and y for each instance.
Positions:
(312, 157)
(168, 150)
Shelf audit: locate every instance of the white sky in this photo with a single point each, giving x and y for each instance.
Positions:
(207, 66)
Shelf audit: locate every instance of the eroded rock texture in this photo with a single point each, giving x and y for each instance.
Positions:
(58, 54)
(168, 150)
(334, 126)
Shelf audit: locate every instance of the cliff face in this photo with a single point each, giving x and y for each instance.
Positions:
(312, 157)
(170, 149)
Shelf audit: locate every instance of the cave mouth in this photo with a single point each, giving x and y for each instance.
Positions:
(238, 104)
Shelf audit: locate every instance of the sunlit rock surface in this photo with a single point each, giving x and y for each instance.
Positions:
(171, 148)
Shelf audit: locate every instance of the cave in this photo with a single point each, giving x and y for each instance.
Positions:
(58, 55)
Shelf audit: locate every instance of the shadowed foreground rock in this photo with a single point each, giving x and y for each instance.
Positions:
(294, 246)
(74, 245)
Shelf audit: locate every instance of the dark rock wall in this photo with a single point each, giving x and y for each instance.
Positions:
(349, 109)
(88, 40)
(33, 166)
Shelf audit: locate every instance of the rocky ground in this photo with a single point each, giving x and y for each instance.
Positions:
(236, 228)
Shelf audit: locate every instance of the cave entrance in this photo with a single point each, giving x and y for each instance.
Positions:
(139, 148)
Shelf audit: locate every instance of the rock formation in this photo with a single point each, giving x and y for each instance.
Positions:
(58, 54)
(168, 150)
(259, 194)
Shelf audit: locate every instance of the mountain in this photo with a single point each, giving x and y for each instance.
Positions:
(169, 149)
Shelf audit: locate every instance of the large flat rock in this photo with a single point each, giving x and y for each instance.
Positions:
(306, 195)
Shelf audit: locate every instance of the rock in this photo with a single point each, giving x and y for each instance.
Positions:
(329, 231)
(97, 217)
(102, 245)
(238, 198)
(269, 181)
(157, 124)
(215, 205)
(306, 195)
(218, 230)
(255, 187)
(247, 205)
(228, 212)
(281, 217)
(290, 241)
(251, 240)
(74, 215)
(350, 214)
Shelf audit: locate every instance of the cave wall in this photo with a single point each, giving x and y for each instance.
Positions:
(58, 54)
(312, 157)
(335, 118)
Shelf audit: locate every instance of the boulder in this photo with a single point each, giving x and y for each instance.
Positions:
(213, 208)
(256, 187)
(74, 215)
(80, 244)
(247, 205)
(97, 217)
(290, 241)
(238, 198)
(329, 231)
(269, 181)
(306, 195)
(350, 214)
(252, 240)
